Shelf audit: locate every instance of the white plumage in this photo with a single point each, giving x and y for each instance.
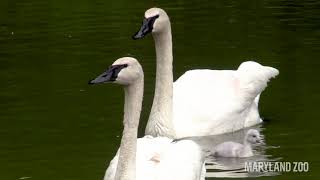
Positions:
(207, 102)
(233, 149)
(161, 159)
(147, 158)
(201, 102)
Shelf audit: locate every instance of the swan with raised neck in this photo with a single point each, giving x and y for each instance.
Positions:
(127, 72)
(201, 102)
(147, 158)
(160, 119)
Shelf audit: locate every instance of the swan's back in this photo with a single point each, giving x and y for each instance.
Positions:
(207, 102)
(203, 101)
(183, 160)
(160, 158)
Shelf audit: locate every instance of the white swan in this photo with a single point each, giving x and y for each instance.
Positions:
(147, 158)
(233, 149)
(200, 102)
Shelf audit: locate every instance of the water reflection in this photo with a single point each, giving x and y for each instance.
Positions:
(234, 167)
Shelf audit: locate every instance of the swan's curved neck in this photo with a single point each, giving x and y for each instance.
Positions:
(126, 169)
(160, 120)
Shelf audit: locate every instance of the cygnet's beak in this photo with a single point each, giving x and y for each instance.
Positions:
(146, 27)
(259, 141)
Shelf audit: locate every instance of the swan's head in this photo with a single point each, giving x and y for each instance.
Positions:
(253, 136)
(124, 71)
(156, 21)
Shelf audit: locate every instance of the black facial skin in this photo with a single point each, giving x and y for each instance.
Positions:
(146, 27)
(109, 75)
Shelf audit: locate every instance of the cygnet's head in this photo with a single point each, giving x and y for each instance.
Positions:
(156, 21)
(253, 136)
(124, 71)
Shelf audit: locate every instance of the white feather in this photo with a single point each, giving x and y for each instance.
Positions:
(147, 158)
(161, 159)
(207, 102)
(234, 149)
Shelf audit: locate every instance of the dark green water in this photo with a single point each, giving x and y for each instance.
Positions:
(56, 127)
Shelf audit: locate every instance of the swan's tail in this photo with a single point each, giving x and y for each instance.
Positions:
(253, 78)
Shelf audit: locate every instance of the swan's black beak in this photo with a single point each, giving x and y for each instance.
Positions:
(110, 75)
(146, 27)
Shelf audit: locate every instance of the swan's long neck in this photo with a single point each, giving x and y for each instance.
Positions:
(126, 169)
(160, 120)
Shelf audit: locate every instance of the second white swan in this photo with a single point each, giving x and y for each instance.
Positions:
(201, 102)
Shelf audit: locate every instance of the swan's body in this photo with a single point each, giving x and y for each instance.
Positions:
(161, 159)
(147, 158)
(200, 102)
(233, 149)
(207, 102)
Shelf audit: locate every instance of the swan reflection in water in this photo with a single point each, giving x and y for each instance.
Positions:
(233, 167)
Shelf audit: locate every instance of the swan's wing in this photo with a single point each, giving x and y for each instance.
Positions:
(203, 172)
(111, 170)
(159, 158)
(253, 78)
(203, 101)
(183, 160)
(207, 102)
(148, 148)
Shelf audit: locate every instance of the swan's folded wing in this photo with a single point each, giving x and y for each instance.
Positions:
(111, 170)
(203, 101)
(183, 160)
(209, 102)
(147, 148)
(253, 78)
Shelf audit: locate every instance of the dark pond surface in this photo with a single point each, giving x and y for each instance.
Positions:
(56, 127)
